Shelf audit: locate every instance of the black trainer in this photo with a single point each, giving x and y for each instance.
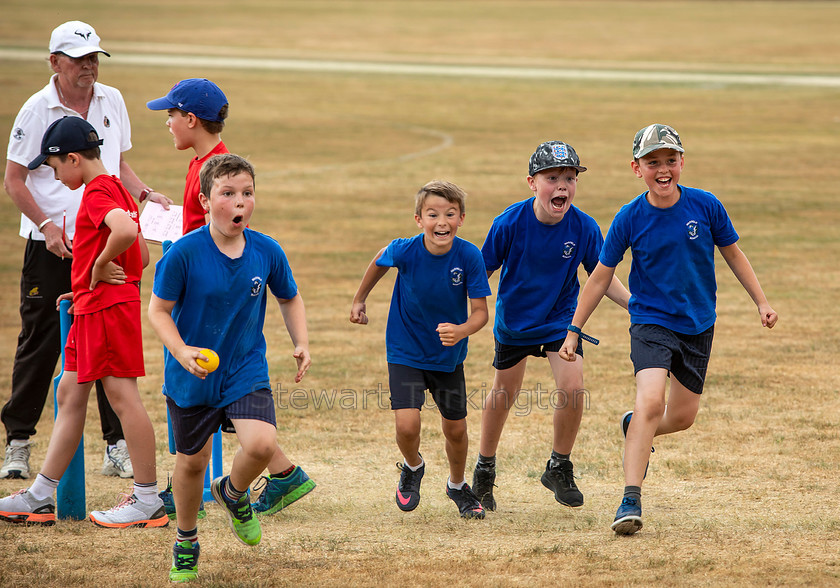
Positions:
(408, 490)
(483, 482)
(561, 481)
(467, 502)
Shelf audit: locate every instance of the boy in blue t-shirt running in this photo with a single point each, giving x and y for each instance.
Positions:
(426, 335)
(539, 243)
(672, 232)
(210, 291)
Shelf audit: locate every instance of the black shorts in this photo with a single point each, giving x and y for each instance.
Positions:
(508, 356)
(686, 357)
(409, 385)
(192, 427)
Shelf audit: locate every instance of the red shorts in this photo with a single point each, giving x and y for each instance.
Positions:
(108, 342)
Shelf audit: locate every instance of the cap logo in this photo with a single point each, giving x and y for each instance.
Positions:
(559, 151)
(85, 36)
(54, 149)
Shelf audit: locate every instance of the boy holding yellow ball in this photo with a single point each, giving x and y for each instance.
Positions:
(210, 290)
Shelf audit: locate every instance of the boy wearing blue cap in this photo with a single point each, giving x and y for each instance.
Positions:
(672, 231)
(539, 243)
(105, 341)
(197, 110)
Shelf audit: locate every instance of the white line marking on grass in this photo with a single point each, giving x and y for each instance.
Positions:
(446, 141)
(531, 73)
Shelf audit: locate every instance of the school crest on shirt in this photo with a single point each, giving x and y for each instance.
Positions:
(456, 276)
(569, 249)
(106, 121)
(693, 229)
(256, 286)
(18, 134)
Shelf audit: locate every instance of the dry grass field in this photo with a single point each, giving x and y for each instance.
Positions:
(748, 496)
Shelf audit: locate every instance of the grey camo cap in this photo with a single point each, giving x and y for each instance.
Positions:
(654, 137)
(554, 154)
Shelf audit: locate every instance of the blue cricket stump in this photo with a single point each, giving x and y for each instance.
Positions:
(216, 455)
(70, 496)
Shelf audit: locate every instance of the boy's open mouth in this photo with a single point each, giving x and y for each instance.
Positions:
(559, 202)
(237, 219)
(442, 234)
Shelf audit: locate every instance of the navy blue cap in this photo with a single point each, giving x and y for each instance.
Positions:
(69, 134)
(197, 95)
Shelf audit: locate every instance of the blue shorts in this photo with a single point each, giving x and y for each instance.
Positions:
(192, 427)
(409, 385)
(686, 357)
(508, 356)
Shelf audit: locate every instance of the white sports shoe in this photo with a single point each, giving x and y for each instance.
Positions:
(117, 462)
(16, 464)
(132, 513)
(22, 507)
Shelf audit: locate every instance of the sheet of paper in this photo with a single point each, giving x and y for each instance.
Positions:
(159, 225)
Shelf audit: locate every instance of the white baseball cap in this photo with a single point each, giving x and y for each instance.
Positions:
(75, 39)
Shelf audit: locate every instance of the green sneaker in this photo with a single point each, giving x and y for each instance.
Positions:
(240, 515)
(184, 562)
(278, 493)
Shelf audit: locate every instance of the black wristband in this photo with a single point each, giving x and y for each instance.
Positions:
(582, 335)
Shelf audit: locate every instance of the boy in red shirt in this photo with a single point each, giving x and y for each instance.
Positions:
(105, 342)
(197, 110)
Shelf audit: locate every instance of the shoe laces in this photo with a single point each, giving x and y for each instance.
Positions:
(408, 475)
(18, 453)
(261, 484)
(185, 558)
(627, 501)
(125, 500)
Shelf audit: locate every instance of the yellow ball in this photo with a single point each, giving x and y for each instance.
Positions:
(212, 360)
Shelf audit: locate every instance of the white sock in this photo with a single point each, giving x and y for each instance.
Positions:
(43, 487)
(19, 443)
(146, 493)
(454, 486)
(417, 467)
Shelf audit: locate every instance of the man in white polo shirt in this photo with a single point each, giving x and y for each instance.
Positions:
(48, 220)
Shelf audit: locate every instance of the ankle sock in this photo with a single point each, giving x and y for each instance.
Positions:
(146, 493)
(556, 458)
(231, 493)
(284, 473)
(417, 467)
(488, 463)
(43, 487)
(455, 486)
(191, 536)
(634, 492)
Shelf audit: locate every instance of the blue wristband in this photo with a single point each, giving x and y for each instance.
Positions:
(582, 335)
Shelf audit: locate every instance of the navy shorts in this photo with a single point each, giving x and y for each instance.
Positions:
(686, 357)
(508, 356)
(409, 385)
(193, 426)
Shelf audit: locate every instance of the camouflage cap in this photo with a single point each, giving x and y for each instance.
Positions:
(654, 137)
(554, 154)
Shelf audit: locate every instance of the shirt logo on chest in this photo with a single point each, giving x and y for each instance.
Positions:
(256, 286)
(693, 229)
(569, 249)
(456, 276)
